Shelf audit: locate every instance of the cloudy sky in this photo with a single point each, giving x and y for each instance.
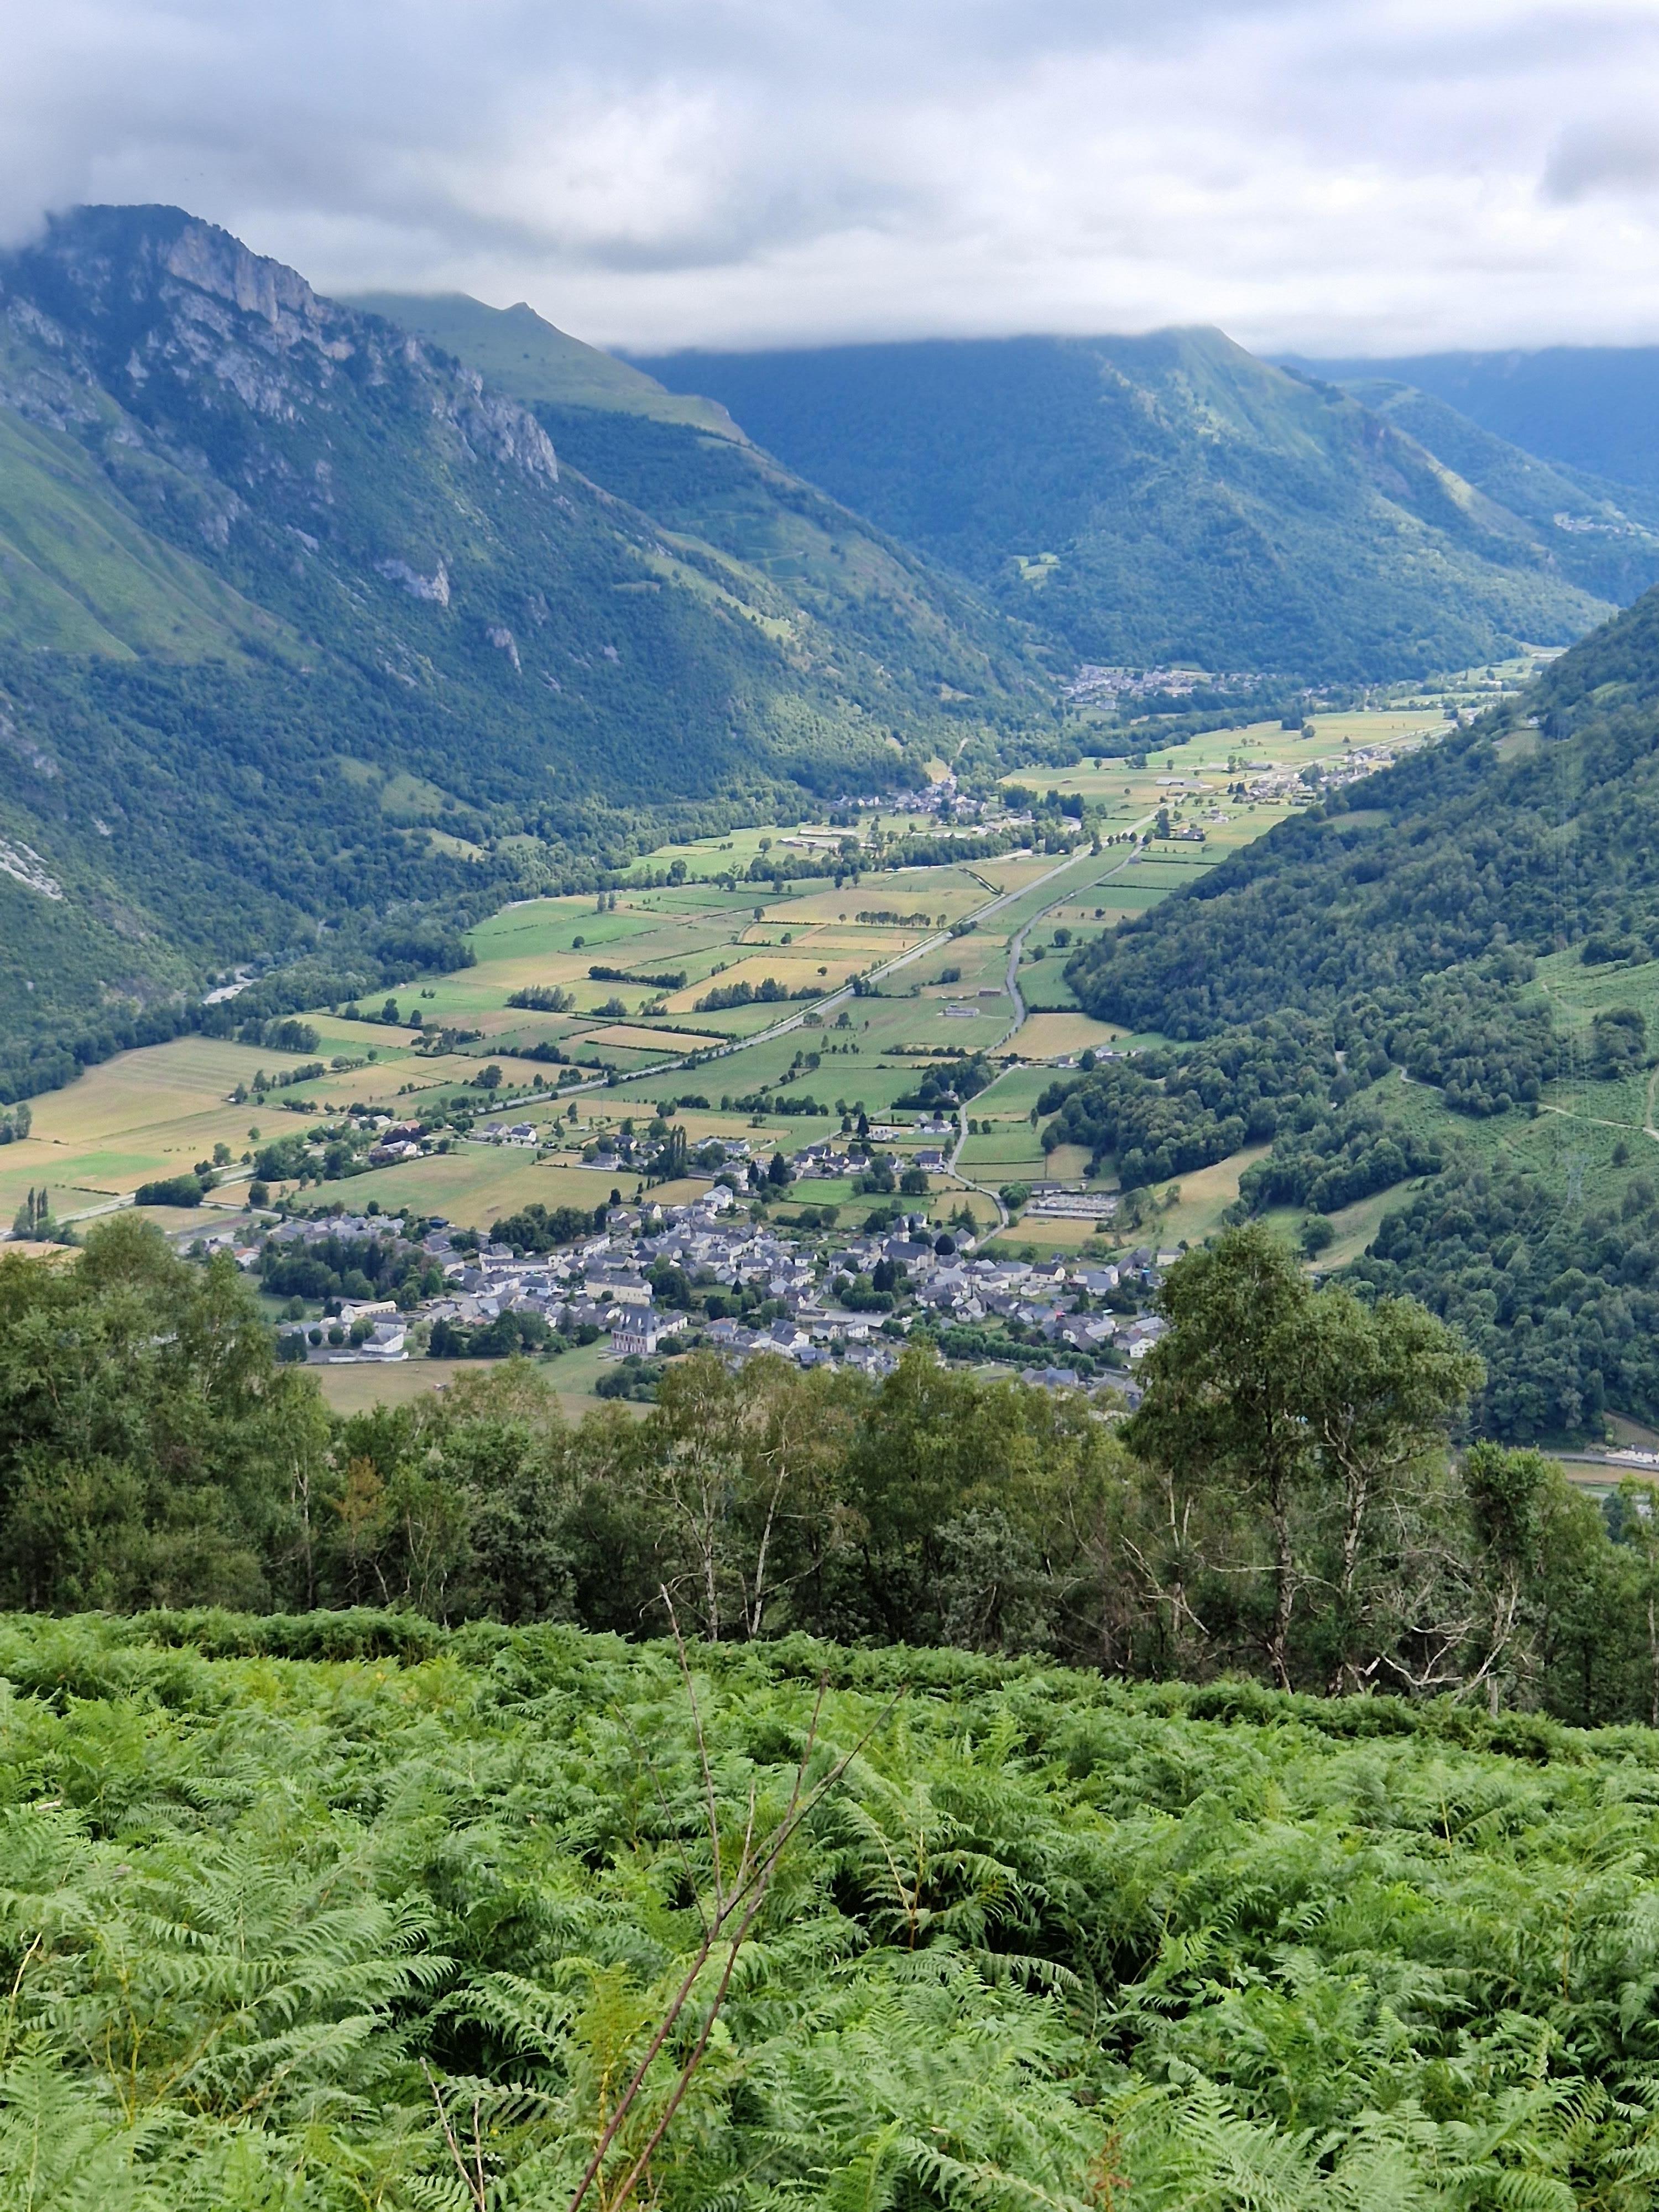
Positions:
(1328, 175)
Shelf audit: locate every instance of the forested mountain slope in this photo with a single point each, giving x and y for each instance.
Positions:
(1444, 982)
(300, 620)
(1158, 499)
(1497, 841)
(719, 498)
(1594, 407)
(1603, 536)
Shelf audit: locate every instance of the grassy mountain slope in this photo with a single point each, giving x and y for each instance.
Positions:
(79, 573)
(1594, 407)
(683, 461)
(265, 550)
(1159, 499)
(522, 353)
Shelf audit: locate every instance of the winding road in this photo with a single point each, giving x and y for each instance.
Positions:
(1016, 946)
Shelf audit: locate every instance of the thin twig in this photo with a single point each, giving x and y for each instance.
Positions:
(475, 2190)
(702, 1747)
(667, 1813)
(16, 1987)
(754, 1878)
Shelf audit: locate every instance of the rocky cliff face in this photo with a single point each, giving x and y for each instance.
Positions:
(262, 555)
(227, 364)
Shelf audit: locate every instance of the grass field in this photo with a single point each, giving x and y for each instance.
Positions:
(359, 1386)
(1205, 1195)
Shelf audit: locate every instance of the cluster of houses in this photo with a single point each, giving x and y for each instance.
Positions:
(616, 1283)
(395, 1141)
(1101, 684)
(1281, 785)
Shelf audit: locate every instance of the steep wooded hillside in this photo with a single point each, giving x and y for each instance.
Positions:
(716, 496)
(1537, 827)
(1443, 983)
(1604, 536)
(1158, 499)
(305, 629)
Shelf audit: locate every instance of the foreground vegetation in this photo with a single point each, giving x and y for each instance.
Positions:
(450, 1899)
(341, 1911)
(1283, 1504)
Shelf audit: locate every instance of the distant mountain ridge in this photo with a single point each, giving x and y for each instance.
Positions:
(312, 640)
(1603, 537)
(1594, 408)
(1161, 499)
(521, 352)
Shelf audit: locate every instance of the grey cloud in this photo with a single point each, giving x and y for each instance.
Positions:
(1603, 157)
(1372, 173)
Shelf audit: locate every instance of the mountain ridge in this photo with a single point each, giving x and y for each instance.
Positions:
(1165, 498)
(269, 550)
(1592, 408)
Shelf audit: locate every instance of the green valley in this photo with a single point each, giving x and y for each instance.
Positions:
(828, 1151)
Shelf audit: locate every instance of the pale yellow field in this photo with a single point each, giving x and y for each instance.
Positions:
(785, 968)
(23, 1247)
(1206, 1194)
(142, 1091)
(360, 1386)
(1042, 1036)
(876, 895)
(625, 1037)
(1050, 1235)
(1066, 1163)
(356, 1037)
(139, 1117)
(1013, 874)
(1387, 726)
(864, 945)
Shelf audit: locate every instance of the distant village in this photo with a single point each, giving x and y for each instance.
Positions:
(656, 1281)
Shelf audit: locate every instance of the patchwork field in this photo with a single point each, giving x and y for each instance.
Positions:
(154, 1113)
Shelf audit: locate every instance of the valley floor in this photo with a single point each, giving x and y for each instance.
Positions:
(964, 958)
